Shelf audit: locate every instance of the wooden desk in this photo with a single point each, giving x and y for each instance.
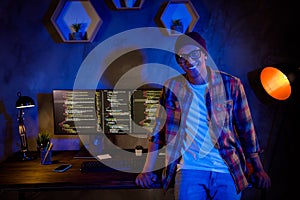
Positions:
(18, 179)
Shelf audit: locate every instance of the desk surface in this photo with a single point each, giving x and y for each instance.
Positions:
(16, 175)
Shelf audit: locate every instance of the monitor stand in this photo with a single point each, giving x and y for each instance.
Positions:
(91, 143)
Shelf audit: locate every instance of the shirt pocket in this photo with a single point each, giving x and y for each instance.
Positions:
(223, 113)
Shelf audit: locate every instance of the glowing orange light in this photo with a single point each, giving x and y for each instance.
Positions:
(275, 83)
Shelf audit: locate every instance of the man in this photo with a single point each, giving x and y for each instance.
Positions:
(204, 122)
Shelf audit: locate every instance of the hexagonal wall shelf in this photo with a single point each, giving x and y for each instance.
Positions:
(71, 12)
(179, 12)
(128, 4)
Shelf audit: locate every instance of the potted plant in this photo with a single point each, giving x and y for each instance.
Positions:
(42, 140)
(77, 34)
(176, 25)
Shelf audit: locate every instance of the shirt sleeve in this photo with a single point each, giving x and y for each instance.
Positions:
(244, 124)
(158, 133)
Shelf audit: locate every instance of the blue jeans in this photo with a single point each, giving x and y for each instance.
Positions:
(198, 185)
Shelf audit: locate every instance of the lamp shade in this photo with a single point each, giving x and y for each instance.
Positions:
(273, 83)
(24, 101)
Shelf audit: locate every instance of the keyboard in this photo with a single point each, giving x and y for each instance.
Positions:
(98, 166)
(109, 165)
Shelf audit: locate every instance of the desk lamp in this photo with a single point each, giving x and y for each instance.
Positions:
(23, 102)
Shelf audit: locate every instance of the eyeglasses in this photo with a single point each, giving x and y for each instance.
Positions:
(195, 54)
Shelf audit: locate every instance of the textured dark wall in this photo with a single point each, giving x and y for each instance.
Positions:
(241, 36)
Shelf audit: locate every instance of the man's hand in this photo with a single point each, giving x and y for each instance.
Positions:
(146, 180)
(262, 180)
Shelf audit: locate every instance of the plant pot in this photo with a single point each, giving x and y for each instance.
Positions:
(176, 28)
(76, 36)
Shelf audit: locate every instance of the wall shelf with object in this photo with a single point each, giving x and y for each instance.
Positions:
(128, 4)
(76, 21)
(181, 12)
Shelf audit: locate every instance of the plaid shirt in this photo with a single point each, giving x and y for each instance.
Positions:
(228, 117)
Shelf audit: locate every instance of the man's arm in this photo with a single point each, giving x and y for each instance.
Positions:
(147, 177)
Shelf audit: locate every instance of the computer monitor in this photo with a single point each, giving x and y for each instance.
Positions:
(105, 117)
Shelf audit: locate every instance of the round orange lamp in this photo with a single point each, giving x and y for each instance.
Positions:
(275, 83)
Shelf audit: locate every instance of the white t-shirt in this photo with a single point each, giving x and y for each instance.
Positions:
(200, 153)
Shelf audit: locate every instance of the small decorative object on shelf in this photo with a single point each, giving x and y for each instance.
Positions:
(178, 11)
(64, 20)
(176, 26)
(77, 34)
